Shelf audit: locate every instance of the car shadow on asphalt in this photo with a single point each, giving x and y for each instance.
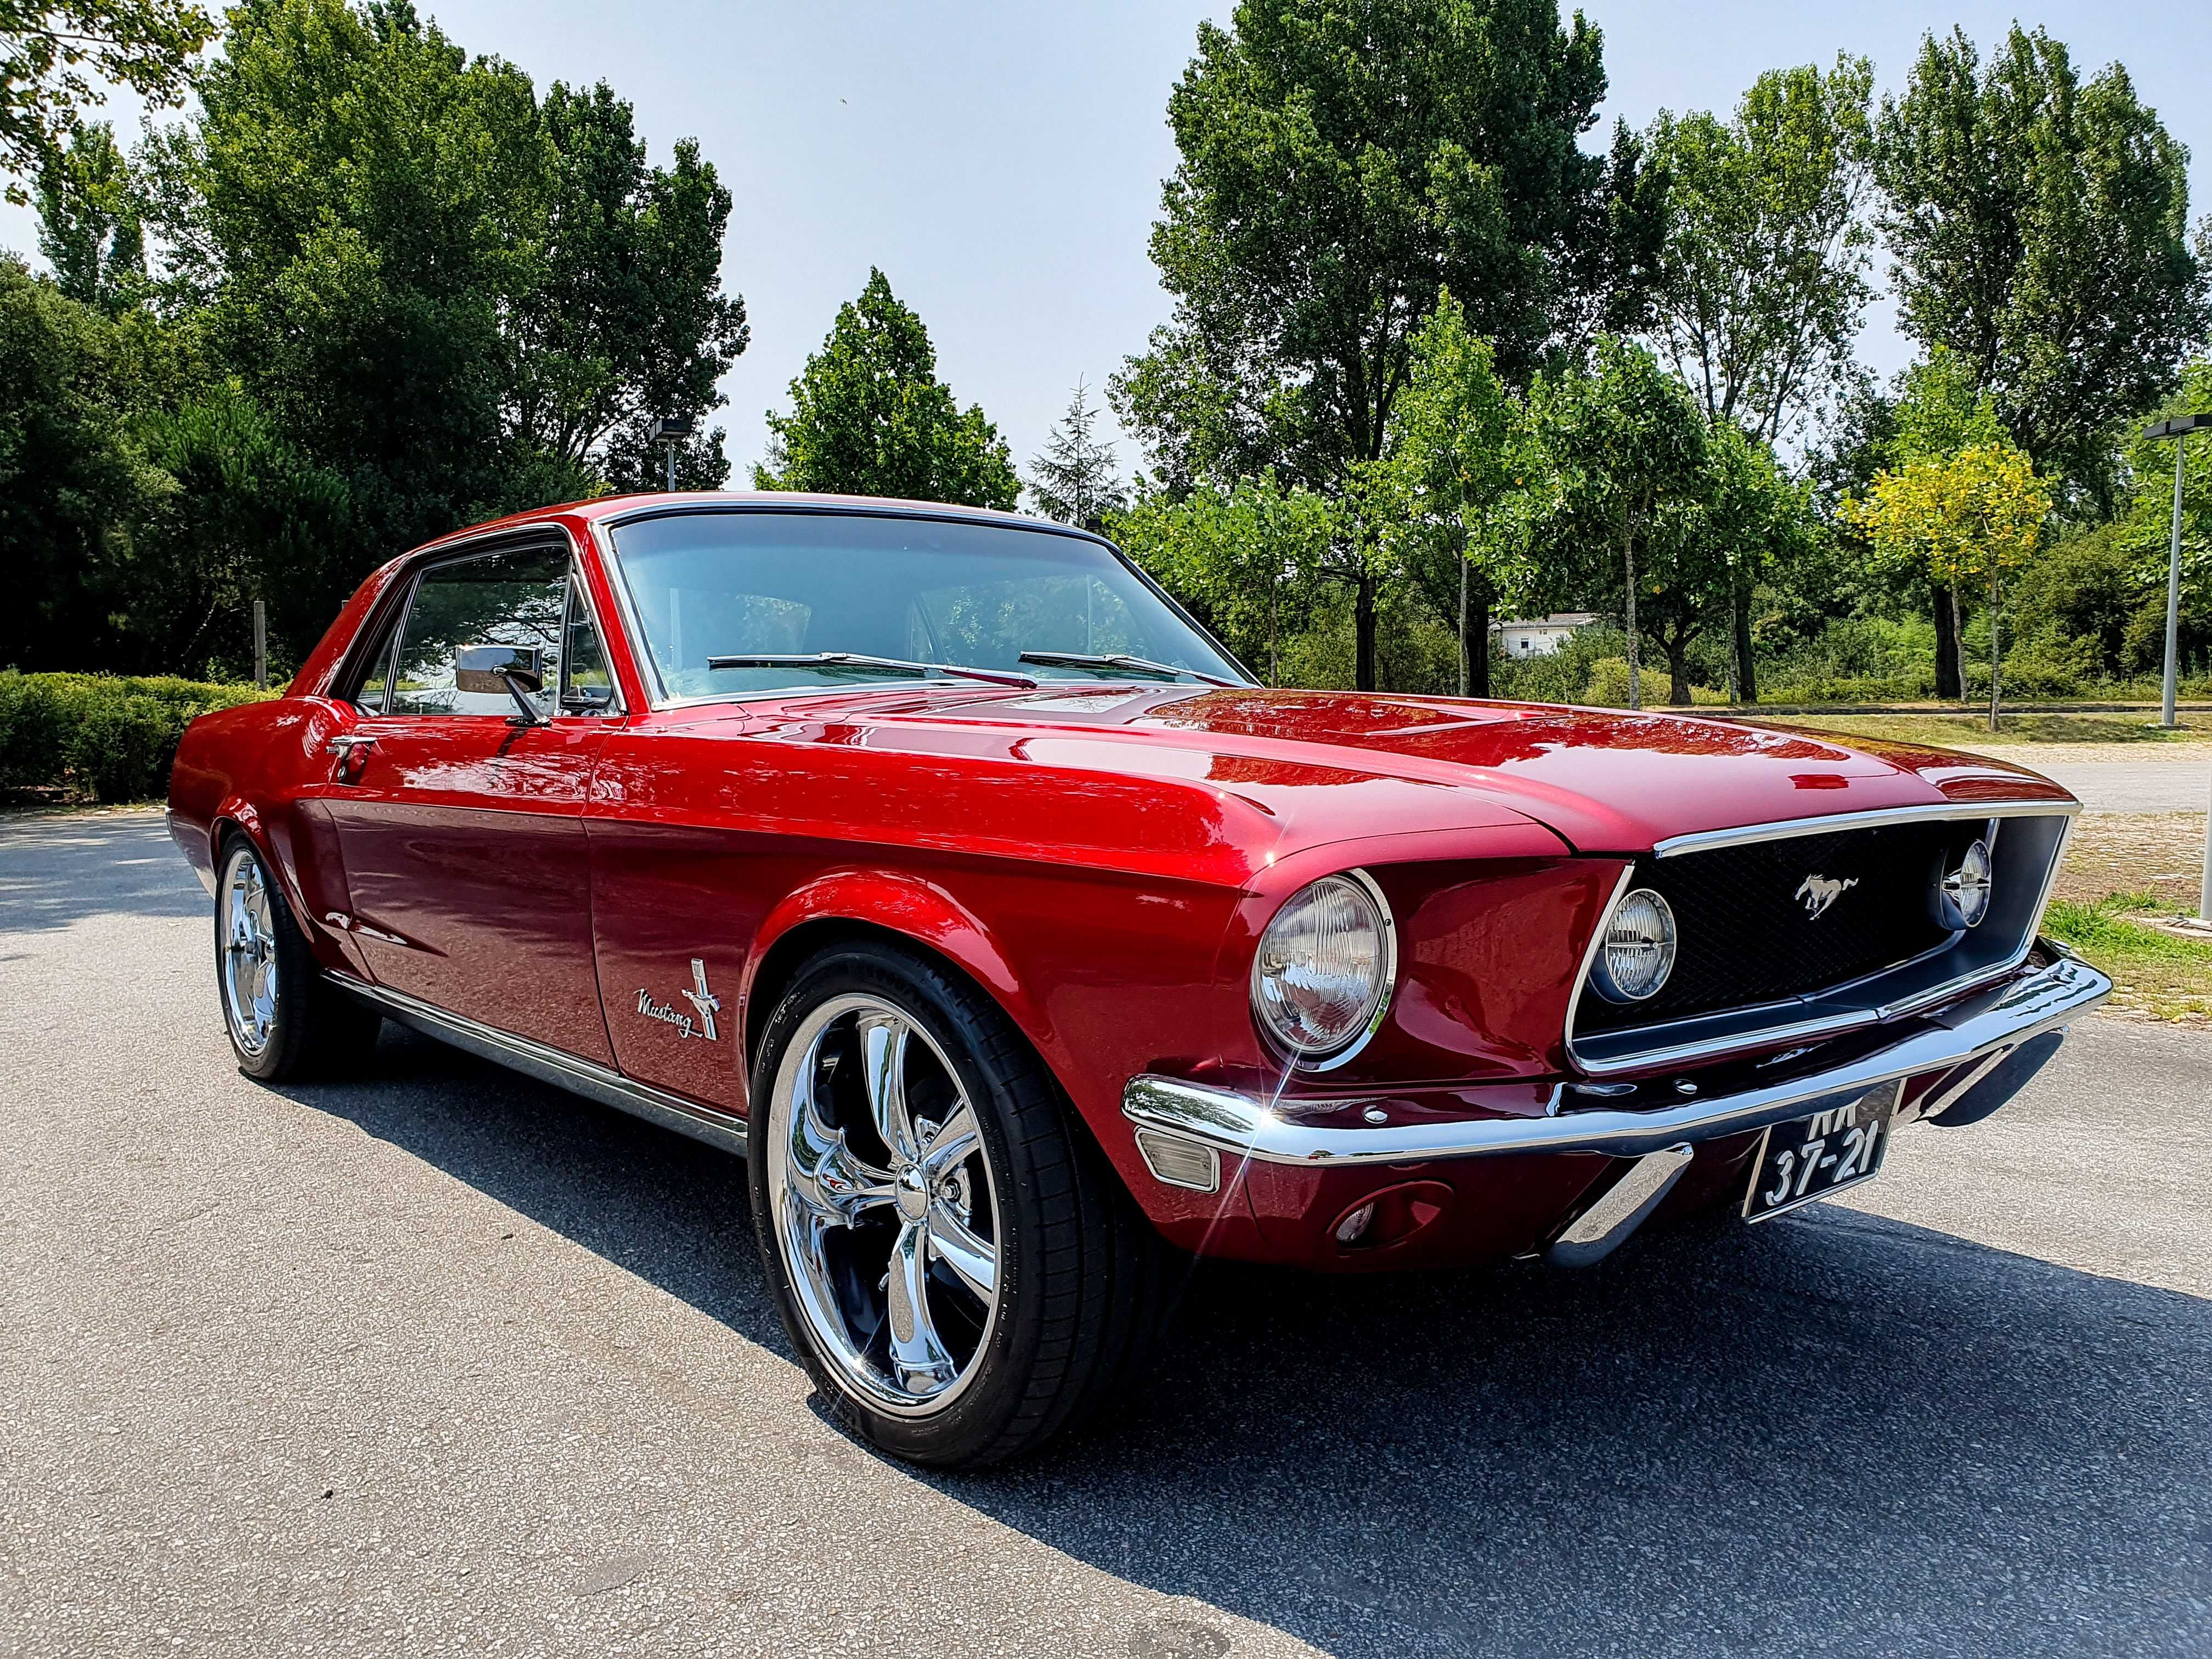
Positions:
(1831, 1433)
(57, 870)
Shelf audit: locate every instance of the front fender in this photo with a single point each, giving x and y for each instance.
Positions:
(912, 907)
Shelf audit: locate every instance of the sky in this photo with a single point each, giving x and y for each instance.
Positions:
(1001, 162)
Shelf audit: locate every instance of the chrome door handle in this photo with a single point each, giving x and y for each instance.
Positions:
(352, 748)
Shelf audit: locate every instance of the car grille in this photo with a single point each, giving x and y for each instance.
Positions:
(1746, 936)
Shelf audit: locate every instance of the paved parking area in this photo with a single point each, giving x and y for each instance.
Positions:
(442, 1361)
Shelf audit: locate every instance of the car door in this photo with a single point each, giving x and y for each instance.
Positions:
(458, 799)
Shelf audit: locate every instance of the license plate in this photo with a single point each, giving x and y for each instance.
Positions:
(1821, 1154)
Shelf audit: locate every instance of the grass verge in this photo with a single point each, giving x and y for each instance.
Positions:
(1971, 731)
(2155, 975)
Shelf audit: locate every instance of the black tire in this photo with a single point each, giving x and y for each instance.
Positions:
(1080, 1272)
(312, 1028)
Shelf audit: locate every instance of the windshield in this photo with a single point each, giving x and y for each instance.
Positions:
(709, 586)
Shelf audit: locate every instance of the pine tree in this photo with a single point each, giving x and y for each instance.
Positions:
(1075, 481)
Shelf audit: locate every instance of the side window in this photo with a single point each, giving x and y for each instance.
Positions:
(477, 624)
(587, 687)
(374, 691)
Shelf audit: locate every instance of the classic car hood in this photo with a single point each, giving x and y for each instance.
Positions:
(1603, 781)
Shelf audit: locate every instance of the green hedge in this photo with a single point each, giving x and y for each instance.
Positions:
(96, 736)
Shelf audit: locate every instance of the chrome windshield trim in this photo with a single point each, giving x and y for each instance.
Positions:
(656, 687)
(1701, 841)
(553, 1065)
(1245, 1126)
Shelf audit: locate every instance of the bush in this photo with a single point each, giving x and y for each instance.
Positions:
(1608, 684)
(97, 737)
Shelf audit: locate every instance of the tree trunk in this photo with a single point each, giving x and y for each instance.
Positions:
(1746, 677)
(1463, 675)
(1995, 689)
(1678, 671)
(1363, 616)
(1628, 562)
(1477, 648)
(1947, 645)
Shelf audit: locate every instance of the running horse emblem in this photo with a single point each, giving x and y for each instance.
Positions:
(1818, 892)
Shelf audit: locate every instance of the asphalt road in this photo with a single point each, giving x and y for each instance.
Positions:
(2180, 781)
(442, 1361)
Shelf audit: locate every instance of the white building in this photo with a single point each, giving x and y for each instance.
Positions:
(1540, 636)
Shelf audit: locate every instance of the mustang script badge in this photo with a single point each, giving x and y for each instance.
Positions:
(1818, 892)
(704, 1000)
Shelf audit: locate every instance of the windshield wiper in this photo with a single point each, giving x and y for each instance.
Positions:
(1134, 664)
(856, 659)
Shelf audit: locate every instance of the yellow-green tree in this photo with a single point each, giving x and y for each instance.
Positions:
(1973, 515)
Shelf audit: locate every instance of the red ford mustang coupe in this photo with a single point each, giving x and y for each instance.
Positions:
(935, 862)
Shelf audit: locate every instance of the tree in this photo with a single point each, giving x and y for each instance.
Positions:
(2039, 227)
(1738, 520)
(455, 299)
(1456, 466)
(1248, 560)
(1971, 516)
(1075, 481)
(241, 516)
(50, 50)
(69, 476)
(623, 318)
(1340, 166)
(90, 221)
(2146, 528)
(1623, 442)
(1762, 280)
(869, 417)
(1939, 412)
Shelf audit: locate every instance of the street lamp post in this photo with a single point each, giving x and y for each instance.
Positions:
(669, 432)
(2179, 429)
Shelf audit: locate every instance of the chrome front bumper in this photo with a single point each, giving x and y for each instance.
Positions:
(1981, 1027)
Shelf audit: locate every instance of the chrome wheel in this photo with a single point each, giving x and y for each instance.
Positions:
(882, 1204)
(249, 953)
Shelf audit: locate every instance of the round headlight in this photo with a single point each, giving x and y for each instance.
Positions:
(1639, 949)
(1324, 967)
(1965, 898)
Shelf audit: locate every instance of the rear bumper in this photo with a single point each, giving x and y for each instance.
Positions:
(1946, 1048)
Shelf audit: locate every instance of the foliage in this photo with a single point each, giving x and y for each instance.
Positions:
(68, 476)
(244, 515)
(2146, 526)
(1251, 561)
(869, 417)
(52, 51)
(90, 735)
(91, 223)
(1455, 481)
(2039, 226)
(1762, 282)
(1970, 517)
(1624, 442)
(460, 301)
(398, 294)
(1075, 481)
(1339, 168)
(622, 318)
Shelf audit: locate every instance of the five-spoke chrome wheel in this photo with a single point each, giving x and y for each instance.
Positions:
(882, 1204)
(248, 942)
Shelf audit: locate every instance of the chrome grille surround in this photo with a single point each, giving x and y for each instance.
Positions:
(2026, 853)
